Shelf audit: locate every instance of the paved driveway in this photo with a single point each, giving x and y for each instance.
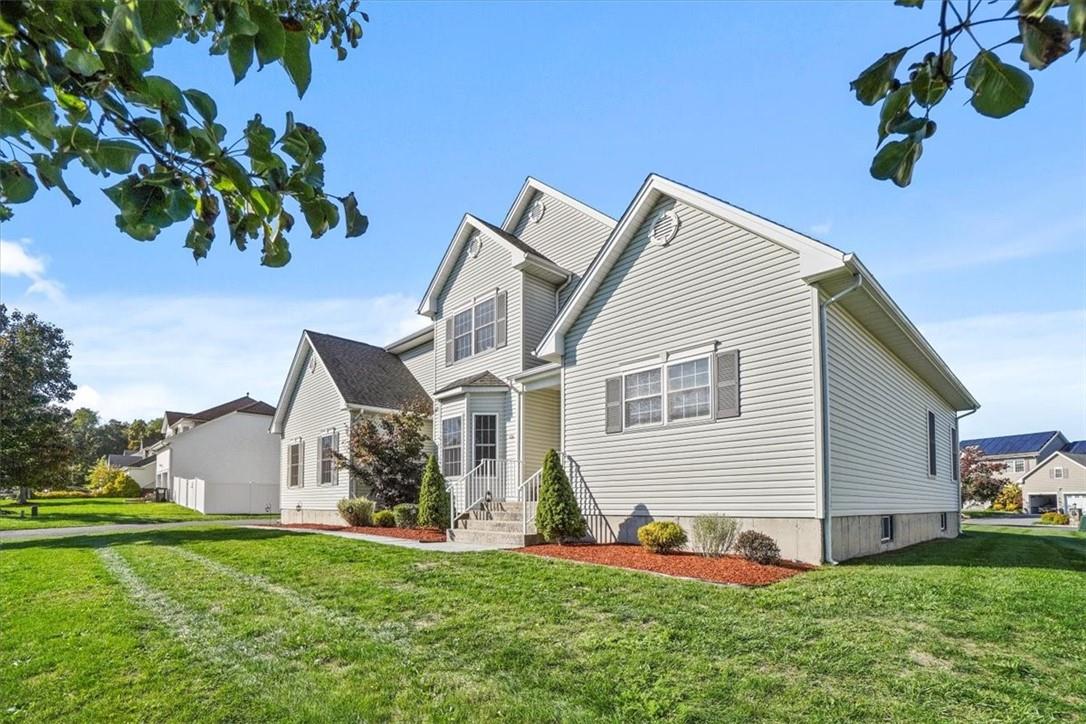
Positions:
(118, 528)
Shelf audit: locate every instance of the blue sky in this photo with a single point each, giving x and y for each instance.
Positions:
(445, 108)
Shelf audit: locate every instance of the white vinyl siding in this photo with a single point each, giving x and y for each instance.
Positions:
(542, 411)
(878, 429)
(314, 408)
(420, 363)
(657, 299)
(539, 312)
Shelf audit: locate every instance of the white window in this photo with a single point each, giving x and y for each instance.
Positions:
(485, 438)
(484, 326)
(294, 464)
(1017, 466)
(326, 444)
(451, 451)
(887, 528)
(462, 335)
(475, 330)
(942, 522)
(688, 389)
(1059, 473)
(642, 397)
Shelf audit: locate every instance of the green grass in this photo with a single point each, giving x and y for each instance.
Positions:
(215, 623)
(67, 512)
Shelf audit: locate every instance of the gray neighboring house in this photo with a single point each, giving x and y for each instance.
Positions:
(688, 358)
(1057, 483)
(1021, 453)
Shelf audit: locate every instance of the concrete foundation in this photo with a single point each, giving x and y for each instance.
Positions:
(306, 515)
(861, 535)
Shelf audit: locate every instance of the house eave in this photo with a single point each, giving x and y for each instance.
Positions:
(411, 341)
(531, 185)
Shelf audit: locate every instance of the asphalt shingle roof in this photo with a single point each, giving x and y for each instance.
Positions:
(1030, 442)
(482, 379)
(1079, 458)
(367, 375)
(514, 240)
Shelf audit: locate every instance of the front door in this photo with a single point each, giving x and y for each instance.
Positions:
(484, 442)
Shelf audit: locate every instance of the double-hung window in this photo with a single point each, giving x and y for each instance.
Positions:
(1059, 473)
(485, 436)
(462, 324)
(1018, 466)
(484, 325)
(477, 329)
(642, 395)
(688, 390)
(451, 446)
(294, 464)
(326, 444)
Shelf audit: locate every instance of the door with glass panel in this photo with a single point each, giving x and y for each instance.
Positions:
(484, 443)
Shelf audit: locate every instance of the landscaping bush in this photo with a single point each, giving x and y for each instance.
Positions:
(714, 535)
(557, 515)
(384, 519)
(406, 514)
(433, 497)
(356, 511)
(757, 547)
(1055, 518)
(1009, 498)
(106, 481)
(52, 494)
(661, 536)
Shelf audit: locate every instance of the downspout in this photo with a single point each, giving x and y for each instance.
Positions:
(957, 428)
(827, 519)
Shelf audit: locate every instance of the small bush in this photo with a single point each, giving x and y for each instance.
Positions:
(384, 519)
(714, 535)
(52, 494)
(433, 497)
(106, 481)
(661, 536)
(557, 516)
(1055, 518)
(757, 547)
(406, 514)
(1009, 498)
(356, 511)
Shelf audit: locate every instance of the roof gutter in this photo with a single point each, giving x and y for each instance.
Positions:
(823, 362)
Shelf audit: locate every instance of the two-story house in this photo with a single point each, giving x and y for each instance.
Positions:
(1019, 453)
(688, 358)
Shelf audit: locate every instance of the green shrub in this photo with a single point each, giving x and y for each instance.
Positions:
(1009, 498)
(51, 494)
(557, 516)
(661, 536)
(433, 497)
(356, 511)
(384, 519)
(1054, 518)
(406, 514)
(714, 535)
(757, 547)
(106, 481)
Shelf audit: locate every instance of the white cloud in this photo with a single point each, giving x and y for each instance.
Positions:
(1027, 370)
(17, 261)
(138, 356)
(85, 396)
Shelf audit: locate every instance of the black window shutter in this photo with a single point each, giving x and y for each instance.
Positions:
(932, 467)
(727, 384)
(955, 458)
(500, 316)
(448, 341)
(614, 404)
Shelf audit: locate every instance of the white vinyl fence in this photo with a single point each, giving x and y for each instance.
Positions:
(225, 497)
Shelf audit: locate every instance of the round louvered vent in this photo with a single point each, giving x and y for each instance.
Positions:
(536, 211)
(475, 246)
(665, 228)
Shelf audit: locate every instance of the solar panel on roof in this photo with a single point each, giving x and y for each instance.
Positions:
(1010, 444)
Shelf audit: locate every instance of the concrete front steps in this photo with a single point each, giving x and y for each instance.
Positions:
(496, 524)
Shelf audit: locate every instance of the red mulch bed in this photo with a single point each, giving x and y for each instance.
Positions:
(728, 569)
(423, 535)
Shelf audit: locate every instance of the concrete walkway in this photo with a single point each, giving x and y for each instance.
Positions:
(33, 533)
(446, 547)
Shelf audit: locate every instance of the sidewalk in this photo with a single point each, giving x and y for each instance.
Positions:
(34, 533)
(446, 547)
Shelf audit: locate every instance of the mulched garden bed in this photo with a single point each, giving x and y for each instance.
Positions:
(727, 569)
(423, 535)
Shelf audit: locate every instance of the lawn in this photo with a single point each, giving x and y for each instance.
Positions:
(67, 512)
(209, 623)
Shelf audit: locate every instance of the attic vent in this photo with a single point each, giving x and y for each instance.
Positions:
(475, 246)
(313, 363)
(665, 228)
(536, 211)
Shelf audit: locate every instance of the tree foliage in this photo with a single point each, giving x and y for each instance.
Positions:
(386, 455)
(1009, 498)
(141, 433)
(76, 87)
(433, 497)
(91, 440)
(34, 383)
(557, 516)
(997, 88)
(981, 482)
(106, 481)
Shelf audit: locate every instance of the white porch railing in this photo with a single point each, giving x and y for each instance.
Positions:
(490, 480)
(599, 529)
(528, 495)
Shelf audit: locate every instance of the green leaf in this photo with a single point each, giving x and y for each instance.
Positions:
(124, 33)
(895, 105)
(17, 186)
(356, 223)
(874, 82)
(203, 103)
(998, 89)
(1043, 41)
(159, 19)
(82, 62)
(321, 215)
(910, 3)
(928, 86)
(1076, 23)
(241, 56)
(271, 38)
(35, 114)
(296, 60)
(116, 156)
(276, 252)
(264, 201)
(152, 130)
(895, 161)
(51, 176)
(231, 176)
(199, 239)
(238, 22)
(162, 92)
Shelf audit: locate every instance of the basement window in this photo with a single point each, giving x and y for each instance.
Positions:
(887, 528)
(942, 522)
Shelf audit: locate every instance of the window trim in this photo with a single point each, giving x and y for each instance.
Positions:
(1059, 472)
(330, 433)
(470, 307)
(663, 413)
(296, 443)
(459, 447)
(943, 519)
(882, 528)
(474, 443)
(1013, 465)
(666, 384)
(661, 362)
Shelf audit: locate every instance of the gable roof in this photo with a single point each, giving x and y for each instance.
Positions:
(241, 404)
(529, 189)
(411, 341)
(481, 379)
(1077, 458)
(364, 375)
(171, 416)
(1078, 447)
(819, 263)
(1030, 442)
(522, 255)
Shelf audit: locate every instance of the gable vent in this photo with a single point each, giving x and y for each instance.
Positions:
(536, 211)
(475, 245)
(664, 228)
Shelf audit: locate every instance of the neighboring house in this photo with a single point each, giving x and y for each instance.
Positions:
(220, 460)
(138, 466)
(332, 381)
(1057, 483)
(1020, 453)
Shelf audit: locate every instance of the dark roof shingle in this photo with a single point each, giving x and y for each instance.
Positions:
(514, 240)
(481, 379)
(1011, 444)
(367, 375)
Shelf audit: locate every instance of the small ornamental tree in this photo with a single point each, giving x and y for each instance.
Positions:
(1009, 498)
(558, 517)
(106, 481)
(980, 480)
(433, 497)
(386, 454)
